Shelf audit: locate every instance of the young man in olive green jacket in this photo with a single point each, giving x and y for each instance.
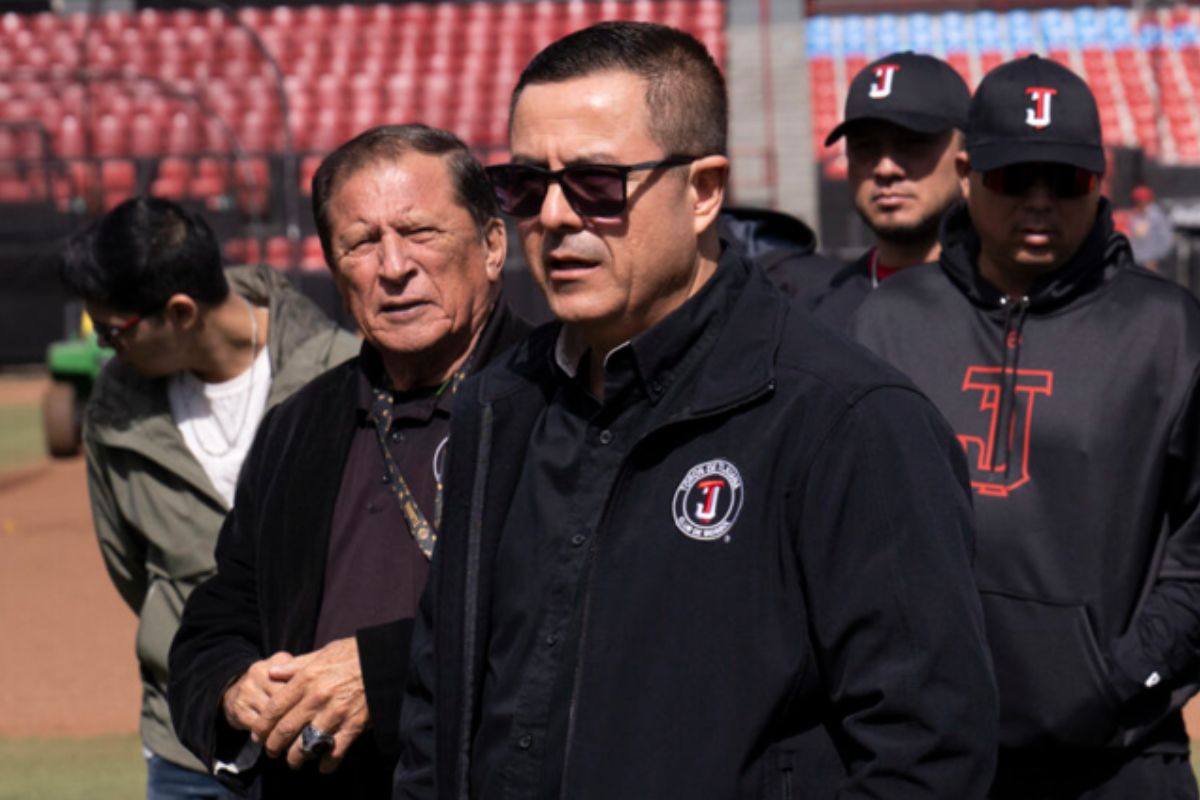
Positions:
(201, 354)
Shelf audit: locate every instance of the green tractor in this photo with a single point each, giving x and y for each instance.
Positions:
(74, 364)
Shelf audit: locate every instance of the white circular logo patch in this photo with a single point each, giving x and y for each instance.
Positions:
(708, 500)
(439, 459)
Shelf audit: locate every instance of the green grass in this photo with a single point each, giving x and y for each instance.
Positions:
(20, 435)
(103, 768)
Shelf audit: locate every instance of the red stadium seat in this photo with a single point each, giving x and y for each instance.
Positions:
(13, 188)
(169, 188)
(69, 142)
(315, 18)
(312, 258)
(178, 169)
(11, 23)
(349, 17)
(118, 174)
(8, 145)
(253, 181)
(210, 180)
(308, 168)
(145, 140)
(989, 60)
(243, 251)
(181, 135)
(279, 253)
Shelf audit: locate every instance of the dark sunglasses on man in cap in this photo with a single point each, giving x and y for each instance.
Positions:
(1065, 181)
(592, 190)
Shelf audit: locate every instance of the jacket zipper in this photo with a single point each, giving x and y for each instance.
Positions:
(577, 679)
(471, 599)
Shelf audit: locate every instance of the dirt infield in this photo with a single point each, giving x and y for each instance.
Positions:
(67, 665)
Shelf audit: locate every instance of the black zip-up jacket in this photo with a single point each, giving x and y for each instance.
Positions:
(1078, 410)
(829, 644)
(266, 594)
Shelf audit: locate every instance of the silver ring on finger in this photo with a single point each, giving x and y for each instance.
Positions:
(315, 742)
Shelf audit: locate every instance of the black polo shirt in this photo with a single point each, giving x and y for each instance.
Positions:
(375, 571)
(572, 470)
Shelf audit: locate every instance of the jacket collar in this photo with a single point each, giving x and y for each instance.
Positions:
(726, 336)
(1102, 249)
(500, 331)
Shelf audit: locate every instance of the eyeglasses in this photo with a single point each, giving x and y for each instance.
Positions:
(592, 190)
(108, 335)
(1064, 180)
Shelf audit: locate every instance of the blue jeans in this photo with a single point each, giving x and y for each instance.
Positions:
(167, 781)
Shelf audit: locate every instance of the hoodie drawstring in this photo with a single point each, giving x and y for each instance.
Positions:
(1008, 374)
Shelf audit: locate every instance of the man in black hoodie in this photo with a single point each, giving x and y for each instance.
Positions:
(1069, 375)
(903, 122)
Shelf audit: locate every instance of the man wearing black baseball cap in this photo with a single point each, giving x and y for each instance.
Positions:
(903, 117)
(1070, 376)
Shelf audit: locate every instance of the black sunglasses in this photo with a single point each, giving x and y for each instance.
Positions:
(592, 190)
(1064, 180)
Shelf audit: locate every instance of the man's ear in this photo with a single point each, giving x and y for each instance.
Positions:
(495, 248)
(963, 165)
(708, 177)
(181, 311)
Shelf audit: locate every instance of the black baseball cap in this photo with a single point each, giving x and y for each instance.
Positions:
(1034, 110)
(912, 90)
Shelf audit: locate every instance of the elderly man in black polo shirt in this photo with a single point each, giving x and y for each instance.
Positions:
(294, 654)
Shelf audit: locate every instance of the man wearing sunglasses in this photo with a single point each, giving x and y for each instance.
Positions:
(681, 556)
(1070, 376)
(903, 128)
(201, 354)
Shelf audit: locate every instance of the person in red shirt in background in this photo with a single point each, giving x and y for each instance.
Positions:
(1150, 232)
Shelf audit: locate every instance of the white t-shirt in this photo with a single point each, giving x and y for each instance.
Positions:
(218, 420)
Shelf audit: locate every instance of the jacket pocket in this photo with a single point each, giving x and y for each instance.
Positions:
(781, 770)
(806, 764)
(1050, 673)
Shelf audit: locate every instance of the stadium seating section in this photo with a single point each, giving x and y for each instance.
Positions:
(1145, 70)
(183, 103)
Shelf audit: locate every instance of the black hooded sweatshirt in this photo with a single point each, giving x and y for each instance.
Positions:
(1078, 410)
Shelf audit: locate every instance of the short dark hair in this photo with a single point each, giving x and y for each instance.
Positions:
(686, 97)
(390, 143)
(135, 257)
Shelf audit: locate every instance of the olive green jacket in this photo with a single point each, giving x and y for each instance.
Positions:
(156, 513)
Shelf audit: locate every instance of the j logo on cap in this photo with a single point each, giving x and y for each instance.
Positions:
(881, 87)
(1039, 115)
(1019, 104)
(932, 97)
